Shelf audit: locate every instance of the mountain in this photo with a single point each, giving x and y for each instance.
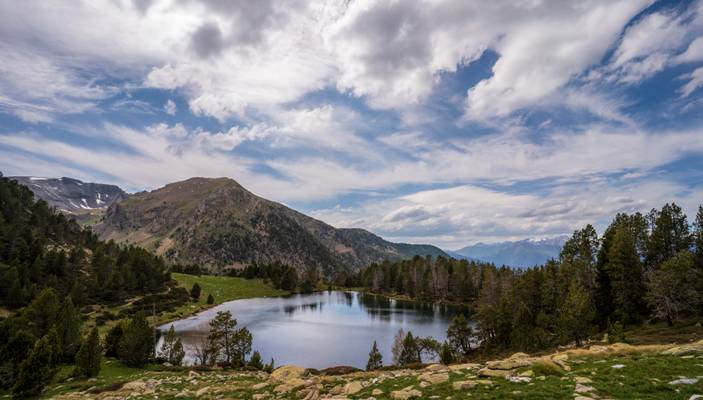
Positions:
(71, 195)
(519, 254)
(218, 223)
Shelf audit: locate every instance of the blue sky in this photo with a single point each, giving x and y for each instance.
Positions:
(446, 122)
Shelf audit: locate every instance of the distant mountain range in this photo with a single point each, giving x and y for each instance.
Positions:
(519, 254)
(219, 224)
(71, 195)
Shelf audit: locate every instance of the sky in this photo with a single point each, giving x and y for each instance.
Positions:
(447, 122)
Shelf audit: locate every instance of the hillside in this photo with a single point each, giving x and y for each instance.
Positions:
(519, 254)
(217, 222)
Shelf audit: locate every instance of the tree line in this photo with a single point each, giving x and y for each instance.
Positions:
(643, 267)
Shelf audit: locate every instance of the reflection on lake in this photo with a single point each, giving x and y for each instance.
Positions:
(323, 329)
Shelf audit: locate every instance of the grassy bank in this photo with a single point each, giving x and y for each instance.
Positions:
(222, 289)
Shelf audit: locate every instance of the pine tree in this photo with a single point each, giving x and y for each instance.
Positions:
(89, 355)
(68, 324)
(575, 314)
(375, 358)
(39, 368)
(112, 341)
(230, 344)
(195, 292)
(446, 354)
(42, 311)
(255, 361)
(136, 347)
(626, 276)
(210, 299)
(172, 348)
(410, 353)
(672, 288)
(459, 335)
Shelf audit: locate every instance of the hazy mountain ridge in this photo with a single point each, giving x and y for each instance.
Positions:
(72, 195)
(519, 254)
(219, 223)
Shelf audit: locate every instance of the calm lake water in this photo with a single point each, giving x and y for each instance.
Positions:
(323, 329)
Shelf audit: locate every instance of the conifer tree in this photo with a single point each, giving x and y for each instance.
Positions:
(575, 314)
(42, 311)
(89, 355)
(672, 288)
(231, 344)
(210, 299)
(136, 347)
(172, 348)
(446, 354)
(626, 276)
(195, 292)
(68, 324)
(375, 358)
(255, 361)
(459, 335)
(39, 368)
(112, 341)
(410, 353)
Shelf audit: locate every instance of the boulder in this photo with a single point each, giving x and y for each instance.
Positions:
(461, 367)
(494, 373)
(259, 386)
(434, 378)
(684, 381)
(406, 394)
(353, 388)
(517, 360)
(376, 392)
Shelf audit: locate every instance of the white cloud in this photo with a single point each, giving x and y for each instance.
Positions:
(170, 107)
(695, 80)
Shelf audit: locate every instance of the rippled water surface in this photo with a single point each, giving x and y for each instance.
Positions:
(323, 329)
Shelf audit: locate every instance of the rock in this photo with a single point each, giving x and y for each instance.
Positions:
(577, 397)
(353, 388)
(598, 349)
(135, 386)
(424, 384)
(376, 392)
(618, 366)
(259, 386)
(580, 388)
(192, 374)
(405, 394)
(684, 381)
(183, 393)
(460, 367)
(288, 372)
(529, 373)
(517, 360)
(696, 396)
(582, 379)
(434, 378)
(560, 357)
(494, 373)
(519, 379)
(436, 367)
(202, 392)
(260, 396)
(464, 385)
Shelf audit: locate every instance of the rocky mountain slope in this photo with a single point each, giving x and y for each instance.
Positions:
(71, 195)
(217, 222)
(519, 254)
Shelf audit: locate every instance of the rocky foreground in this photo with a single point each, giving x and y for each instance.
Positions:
(617, 371)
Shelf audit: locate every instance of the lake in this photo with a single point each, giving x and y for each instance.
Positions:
(322, 329)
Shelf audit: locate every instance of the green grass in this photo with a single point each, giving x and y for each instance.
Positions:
(222, 288)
